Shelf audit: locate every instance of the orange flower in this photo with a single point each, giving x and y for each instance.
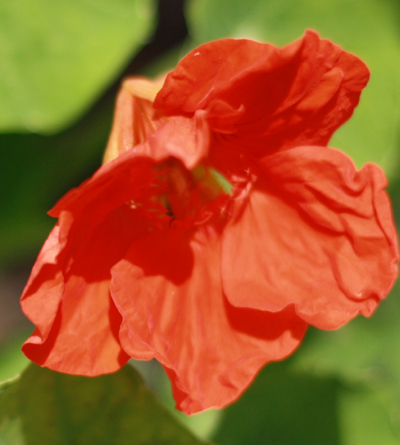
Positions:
(220, 225)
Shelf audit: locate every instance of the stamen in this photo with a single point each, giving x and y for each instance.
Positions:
(192, 197)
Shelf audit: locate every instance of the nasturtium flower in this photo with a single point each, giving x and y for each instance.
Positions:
(220, 225)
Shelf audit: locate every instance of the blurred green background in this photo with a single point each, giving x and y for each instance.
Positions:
(60, 67)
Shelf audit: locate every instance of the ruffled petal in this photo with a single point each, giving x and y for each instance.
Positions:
(46, 280)
(135, 119)
(72, 275)
(144, 131)
(317, 234)
(215, 68)
(291, 96)
(83, 338)
(186, 139)
(168, 290)
(116, 183)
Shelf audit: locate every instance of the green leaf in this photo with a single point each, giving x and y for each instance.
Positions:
(288, 406)
(202, 424)
(56, 56)
(13, 361)
(365, 418)
(46, 407)
(368, 29)
(37, 170)
(282, 407)
(362, 354)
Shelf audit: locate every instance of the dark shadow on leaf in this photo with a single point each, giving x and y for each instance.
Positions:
(46, 407)
(282, 408)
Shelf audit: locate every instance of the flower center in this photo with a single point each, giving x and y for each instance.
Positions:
(193, 195)
(189, 197)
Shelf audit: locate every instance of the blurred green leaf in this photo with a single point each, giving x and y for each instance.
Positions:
(285, 405)
(202, 424)
(369, 29)
(57, 55)
(365, 419)
(362, 354)
(365, 351)
(13, 361)
(37, 170)
(46, 407)
(282, 407)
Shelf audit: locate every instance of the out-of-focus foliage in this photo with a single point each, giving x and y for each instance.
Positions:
(37, 170)
(283, 407)
(12, 360)
(369, 29)
(365, 356)
(202, 424)
(45, 407)
(57, 55)
(288, 406)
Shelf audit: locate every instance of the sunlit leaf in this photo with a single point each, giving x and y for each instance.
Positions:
(364, 353)
(12, 360)
(45, 407)
(365, 419)
(56, 56)
(369, 29)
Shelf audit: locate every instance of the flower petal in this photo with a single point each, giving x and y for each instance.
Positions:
(186, 139)
(72, 275)
(144, 131)
(113, 185)
(135, 119)
(83, 337)
(291, 96)
(168, 290)
(319, 235)
(46, 279)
